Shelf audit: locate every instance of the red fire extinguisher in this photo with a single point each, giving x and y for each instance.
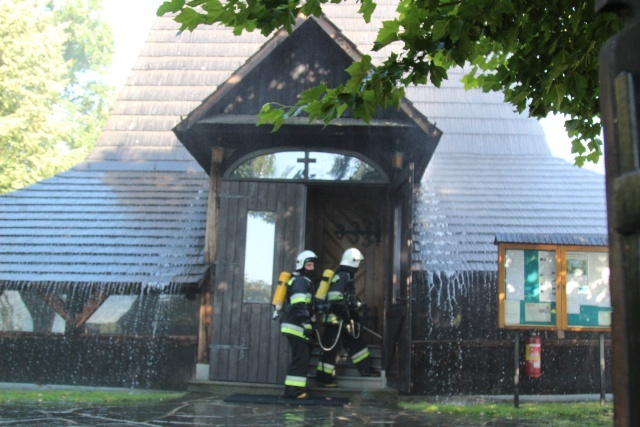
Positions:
(533, 359)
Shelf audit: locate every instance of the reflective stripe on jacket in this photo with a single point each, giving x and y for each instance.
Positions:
(297, 316)
(341, 287)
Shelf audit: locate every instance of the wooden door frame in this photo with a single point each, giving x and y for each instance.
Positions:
(397, 319)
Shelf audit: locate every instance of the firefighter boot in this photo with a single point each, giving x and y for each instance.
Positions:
(370, 372)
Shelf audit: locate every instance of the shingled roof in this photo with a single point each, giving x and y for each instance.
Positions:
(134, 211)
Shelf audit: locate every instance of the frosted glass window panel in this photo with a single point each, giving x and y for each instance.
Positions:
(146, 314)
(312, 166)
(338, 167)
(259, 257)
(283, 165)
(25, 311)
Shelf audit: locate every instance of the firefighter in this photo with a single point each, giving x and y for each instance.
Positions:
(298, 324)
(342, 323)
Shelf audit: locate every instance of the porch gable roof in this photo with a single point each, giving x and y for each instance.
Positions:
(315, 52)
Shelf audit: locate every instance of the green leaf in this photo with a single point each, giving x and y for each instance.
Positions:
(313, 94)
(189, 19)
(171, 6)
(440, 29)
(387, 34)
(312, 8)
(366, 9)
(314, 109)
(268, 115)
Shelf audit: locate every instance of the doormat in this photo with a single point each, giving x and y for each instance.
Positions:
(268, 399)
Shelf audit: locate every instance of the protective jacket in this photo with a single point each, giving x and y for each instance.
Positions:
(342, 297)
(296, 321)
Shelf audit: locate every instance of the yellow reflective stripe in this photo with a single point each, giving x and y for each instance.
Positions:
(335, 296)
(291, 329)
(296, 298)
(360, 356)
(295, 381)
(326, 368)
(331, 318)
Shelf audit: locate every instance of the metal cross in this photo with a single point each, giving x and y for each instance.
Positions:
(306, 160)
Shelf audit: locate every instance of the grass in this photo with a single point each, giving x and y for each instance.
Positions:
(584, 414)
(86, 397)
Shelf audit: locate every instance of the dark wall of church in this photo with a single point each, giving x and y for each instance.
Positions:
(161, 363)
(145, 340)
(457, 347)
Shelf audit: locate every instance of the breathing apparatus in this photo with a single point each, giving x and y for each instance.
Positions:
(281, 288)
(280, 293)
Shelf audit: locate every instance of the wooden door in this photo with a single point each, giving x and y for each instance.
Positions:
(397, 334)
(343, 217)
(246, 344)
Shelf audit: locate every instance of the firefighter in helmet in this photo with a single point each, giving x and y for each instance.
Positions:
(297, 324)
(342, 323)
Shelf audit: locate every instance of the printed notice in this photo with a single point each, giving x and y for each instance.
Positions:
(604, 318)
(537, 312)
(511, 312)
(514, 275)
(547, 275)
(577, 278)
(599, 279)
(573, 299)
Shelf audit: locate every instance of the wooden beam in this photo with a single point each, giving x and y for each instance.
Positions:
(56, 303)
(215, 178)
(206, 317)
(90, 307)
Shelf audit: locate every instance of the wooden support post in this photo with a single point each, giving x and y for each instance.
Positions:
(90, 307)
(602, 370)
(56, 303)
(211, 233)
(619, 102)
(210, 246)
(516, 369)
(206, 315)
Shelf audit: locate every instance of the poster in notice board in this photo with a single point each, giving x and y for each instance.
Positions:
(587, 289)
(530, 287)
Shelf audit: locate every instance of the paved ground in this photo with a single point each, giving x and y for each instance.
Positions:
(206, 410)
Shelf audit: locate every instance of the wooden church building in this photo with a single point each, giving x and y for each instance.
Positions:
(152, 263)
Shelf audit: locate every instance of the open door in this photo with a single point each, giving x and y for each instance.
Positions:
(397, 336)
(261, 229)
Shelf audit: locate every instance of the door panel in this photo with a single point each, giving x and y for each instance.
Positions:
(397, 336)
(246, 344)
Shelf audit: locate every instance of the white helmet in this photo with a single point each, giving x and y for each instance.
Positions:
(305, 256)
(352, 257)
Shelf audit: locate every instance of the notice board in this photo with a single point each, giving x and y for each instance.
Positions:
(554, 287)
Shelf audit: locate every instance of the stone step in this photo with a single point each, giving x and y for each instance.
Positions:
(345, 366)
(347, 375)
(356, 381)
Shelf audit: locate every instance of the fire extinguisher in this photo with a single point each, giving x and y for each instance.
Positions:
(533, 359)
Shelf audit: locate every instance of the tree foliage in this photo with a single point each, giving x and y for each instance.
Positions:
(542, 55)
(53, 100)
